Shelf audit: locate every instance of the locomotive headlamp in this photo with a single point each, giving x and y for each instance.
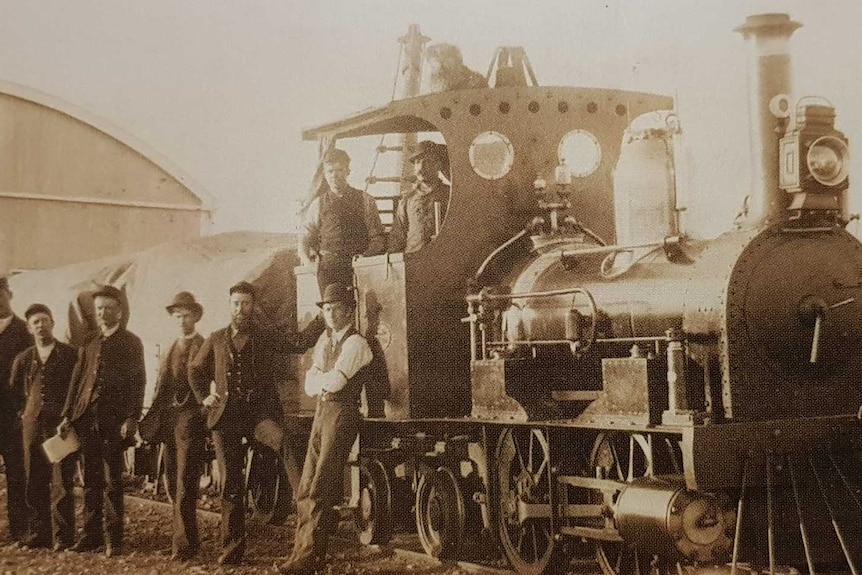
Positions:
(827, 160)
(813, 160)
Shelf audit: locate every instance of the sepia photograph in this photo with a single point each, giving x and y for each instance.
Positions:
(410, 287)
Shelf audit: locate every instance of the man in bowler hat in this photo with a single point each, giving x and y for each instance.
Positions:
(40, 382)
(14, 338)
(336, 378)
(103, 405)
(175, 419)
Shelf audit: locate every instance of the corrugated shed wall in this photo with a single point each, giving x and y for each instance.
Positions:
(70, 191)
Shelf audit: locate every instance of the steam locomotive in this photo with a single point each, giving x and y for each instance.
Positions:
(564, 373)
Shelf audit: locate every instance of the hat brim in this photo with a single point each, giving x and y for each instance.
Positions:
(193, 307)
(105, 293)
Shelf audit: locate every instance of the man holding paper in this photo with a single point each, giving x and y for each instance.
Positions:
(104, 404)
(40, 381)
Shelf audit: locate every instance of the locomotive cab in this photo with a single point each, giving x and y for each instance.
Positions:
(500, 141)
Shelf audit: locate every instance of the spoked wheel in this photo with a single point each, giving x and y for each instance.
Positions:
(441, 516)
(621, 457)
(523, 460)
(269, 492)
(374, 514)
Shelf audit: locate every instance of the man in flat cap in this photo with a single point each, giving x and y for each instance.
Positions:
(339, 223)
(103, 405)
(14, 338)
(336, 378)
(175, 419)
(40, 382)
(421, 211)
(243, 403)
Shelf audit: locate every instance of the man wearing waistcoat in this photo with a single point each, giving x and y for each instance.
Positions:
(244, 403)
(335, 377)
(40, 382)
(175, 419)
(103, 405)
(340, 223)
(14, 338)
(420, 212)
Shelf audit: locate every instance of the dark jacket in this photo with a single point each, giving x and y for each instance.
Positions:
(214, 362)
(13, 340)
(114, 368)
(168, 391)
(56, 376)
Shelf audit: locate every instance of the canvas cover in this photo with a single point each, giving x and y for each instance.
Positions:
(206, 267)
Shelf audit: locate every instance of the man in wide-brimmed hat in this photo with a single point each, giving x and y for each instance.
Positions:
(14, 338)
(420, 212)
(336, 378)
(104, 404)
(175, 419)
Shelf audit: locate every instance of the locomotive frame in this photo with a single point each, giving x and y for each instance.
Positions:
(697, 449)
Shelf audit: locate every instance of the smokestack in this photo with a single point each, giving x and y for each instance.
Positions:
(410, 82)
(768, 68)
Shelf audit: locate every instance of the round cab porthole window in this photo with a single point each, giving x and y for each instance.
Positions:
(581, 152)
(491, 155)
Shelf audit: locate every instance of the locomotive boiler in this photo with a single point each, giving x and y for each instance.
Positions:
(616, 390)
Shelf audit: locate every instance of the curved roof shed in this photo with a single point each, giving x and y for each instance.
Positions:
(75, 188)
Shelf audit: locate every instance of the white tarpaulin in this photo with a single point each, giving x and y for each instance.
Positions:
(206, 267)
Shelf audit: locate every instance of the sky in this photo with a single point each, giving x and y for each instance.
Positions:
(224, 87)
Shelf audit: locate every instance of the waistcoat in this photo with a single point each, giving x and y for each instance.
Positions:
(352, 392)
(342, 223)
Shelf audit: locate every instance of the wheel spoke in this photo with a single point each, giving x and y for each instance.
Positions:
(536, 553)
(523, 459)
(620, 476)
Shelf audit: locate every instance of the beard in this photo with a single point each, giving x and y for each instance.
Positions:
(240, 321)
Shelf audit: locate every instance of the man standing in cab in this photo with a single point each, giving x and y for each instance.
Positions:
(14, 338)
(336, 378)
(339, 223)
(243, 404)
(175, 419)
(40, 382)
(103, 405)
(421, 210)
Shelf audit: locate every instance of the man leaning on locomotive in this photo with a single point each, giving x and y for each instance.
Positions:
(242, 404)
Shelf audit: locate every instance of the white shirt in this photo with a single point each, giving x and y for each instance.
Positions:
(45, 352)
(355, 354)
(110, 332)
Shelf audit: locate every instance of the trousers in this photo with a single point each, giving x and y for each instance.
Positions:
(102, 453)
(50, 495)
(334, 269)
(184, 451)
(12, 451)
(321, 487)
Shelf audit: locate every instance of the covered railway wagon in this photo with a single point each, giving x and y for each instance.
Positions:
(570, 376)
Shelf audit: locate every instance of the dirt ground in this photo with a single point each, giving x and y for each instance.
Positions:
(146, 551)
